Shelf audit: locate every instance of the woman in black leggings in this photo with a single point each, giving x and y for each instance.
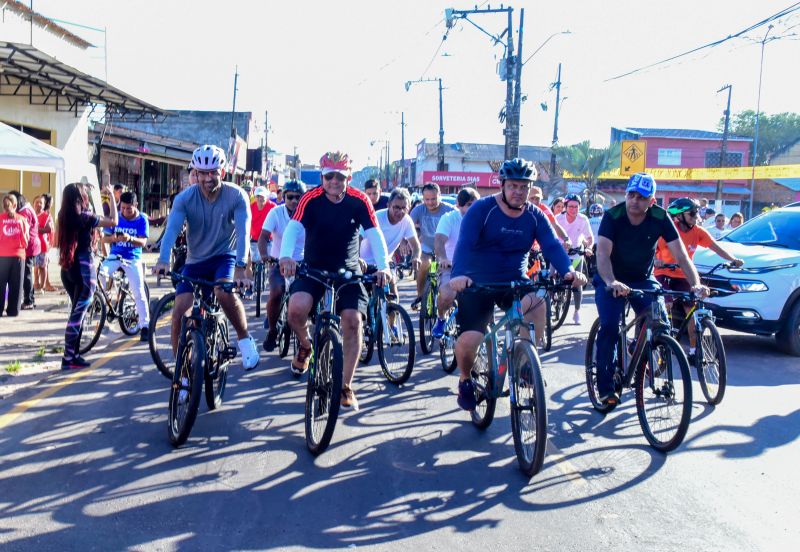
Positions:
(76, 237)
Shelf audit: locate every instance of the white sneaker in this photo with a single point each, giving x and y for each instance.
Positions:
(577, 317)
(247, 347)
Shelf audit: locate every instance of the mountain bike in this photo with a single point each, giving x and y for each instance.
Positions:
(709, 356)
(324, 387)
(427, 308)
(447, 345)
(655, 365)
(113, 300)
(203, 356)
(504, 351)
(388, 326)
(160, 338)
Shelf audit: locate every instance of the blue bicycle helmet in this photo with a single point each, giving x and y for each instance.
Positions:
(518, 169)
(596, 210)
(572, 197)
(294, 186)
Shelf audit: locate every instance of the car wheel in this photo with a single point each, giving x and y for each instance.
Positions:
(788, 338)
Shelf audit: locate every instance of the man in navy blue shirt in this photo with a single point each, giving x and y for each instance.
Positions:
(493, 245)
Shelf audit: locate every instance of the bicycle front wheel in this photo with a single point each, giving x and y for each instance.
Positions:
(590, 363)
(160, 339)
(528, 408)
(427, 319)
(216, 375)
(664, 394)
(258, 287)
(548, 328)
(324, 389)
(483, 380)
(396, 347)
(561, 301)
(711, 363)
(94, 319)
(187, 385)
(447, 345)
(128, 317)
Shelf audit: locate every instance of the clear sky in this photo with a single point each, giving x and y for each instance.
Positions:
(331, 73)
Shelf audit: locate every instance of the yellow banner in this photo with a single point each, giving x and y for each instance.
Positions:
(632, 156)
(700, 173)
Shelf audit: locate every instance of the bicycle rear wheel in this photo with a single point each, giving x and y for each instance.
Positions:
(711, 363)
(561, 301)
(528, 408)
(367, 340)
(427, 319)
(128, 317)
(92, 324)
(396, 354)
(483, 379)
(590, 362)
(216, 376)
(447, 345)
(664, 394)
(324, 389)
(160, 339)
(187, 385)
(258, 287)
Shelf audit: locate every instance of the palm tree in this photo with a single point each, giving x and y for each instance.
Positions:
(586, 164)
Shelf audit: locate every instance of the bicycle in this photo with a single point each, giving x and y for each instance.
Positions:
(657, 369)
(447, 344)
(104, 307)
(282, 328)
(709, 357)
(427, 308)
(503, 351)
(388, 326)
(203, 357)
(326, 363)
(258, 284)
(160, 338)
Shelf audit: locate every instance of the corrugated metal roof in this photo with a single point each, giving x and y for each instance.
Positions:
(791, 183)
(685, 133)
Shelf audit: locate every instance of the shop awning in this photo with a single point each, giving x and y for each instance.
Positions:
(27, 71)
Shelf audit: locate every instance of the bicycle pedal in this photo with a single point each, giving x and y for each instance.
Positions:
(229, 352)
(505, 393)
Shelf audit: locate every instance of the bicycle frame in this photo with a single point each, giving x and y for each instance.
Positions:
(376, 310)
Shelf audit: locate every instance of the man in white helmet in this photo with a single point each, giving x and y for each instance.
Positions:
(217, 216)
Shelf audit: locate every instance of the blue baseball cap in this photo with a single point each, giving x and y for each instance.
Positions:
(643, 183)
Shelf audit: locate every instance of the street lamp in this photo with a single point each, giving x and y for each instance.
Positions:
(536, 51)
(440, 165)
(763, 42)
(380, 163)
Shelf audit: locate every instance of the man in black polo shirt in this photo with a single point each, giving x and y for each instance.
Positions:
(331, 215)
(373, 190)
(626, 248)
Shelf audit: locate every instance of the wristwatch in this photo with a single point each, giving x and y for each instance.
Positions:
(241, 264)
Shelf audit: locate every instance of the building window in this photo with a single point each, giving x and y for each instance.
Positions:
(670, 157)
(732, 159)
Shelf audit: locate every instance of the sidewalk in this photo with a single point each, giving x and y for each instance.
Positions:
(31, 345)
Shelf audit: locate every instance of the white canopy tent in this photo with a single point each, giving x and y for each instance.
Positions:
(20, 152)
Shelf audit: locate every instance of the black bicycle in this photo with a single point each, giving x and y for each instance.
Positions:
(655, 365)
(388, 326)
(427, 308)
(203, 356)
(259, 279)
(160, 338)
(324, 387)
(113, 300)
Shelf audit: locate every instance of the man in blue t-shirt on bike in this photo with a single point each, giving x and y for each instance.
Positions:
(493, 245)
(626, 250)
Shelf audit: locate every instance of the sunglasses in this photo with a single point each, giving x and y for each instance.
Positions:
(291, 197)
(338, 176)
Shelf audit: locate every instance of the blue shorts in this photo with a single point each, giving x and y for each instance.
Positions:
(219, 267)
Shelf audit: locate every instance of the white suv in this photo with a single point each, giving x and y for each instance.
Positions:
(762, 297)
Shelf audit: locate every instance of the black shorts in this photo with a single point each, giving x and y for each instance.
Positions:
(476, 310)
(350, 296)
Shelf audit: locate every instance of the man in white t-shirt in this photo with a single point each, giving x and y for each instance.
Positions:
(274, 225)
(396, 226)
(444, 244)
(580, 233)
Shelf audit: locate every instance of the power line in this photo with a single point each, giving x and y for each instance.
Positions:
(435, 54)
(785, 11)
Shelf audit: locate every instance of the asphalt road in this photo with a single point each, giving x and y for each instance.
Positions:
(85, 464)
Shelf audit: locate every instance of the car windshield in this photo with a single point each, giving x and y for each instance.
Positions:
(775, 229)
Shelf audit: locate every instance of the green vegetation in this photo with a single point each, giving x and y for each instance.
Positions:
(13, 367)
(39, 356)
(587, 164)
(775, 132)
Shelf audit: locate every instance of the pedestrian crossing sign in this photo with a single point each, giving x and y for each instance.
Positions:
(632, 157)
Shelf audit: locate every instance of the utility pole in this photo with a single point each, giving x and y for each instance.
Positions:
(266, 147)
(440, 166)
(723, 149)
(758, 114)
(388, 164)
(510, 151)
(402, 148)
(232, 141)
(514, 138)
(555, 126)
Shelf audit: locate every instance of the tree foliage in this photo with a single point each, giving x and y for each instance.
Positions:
(587, 163)
(775, 132)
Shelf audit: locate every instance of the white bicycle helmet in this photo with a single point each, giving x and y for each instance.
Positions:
(208, 158)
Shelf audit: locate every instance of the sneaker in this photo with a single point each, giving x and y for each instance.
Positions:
(271, 341)
(144, 334)
(28, 306)
(438, 329)
(466, 395)
(300, 361)
(247, 347)
(76, 363)
(577, 317)
(349, 398)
